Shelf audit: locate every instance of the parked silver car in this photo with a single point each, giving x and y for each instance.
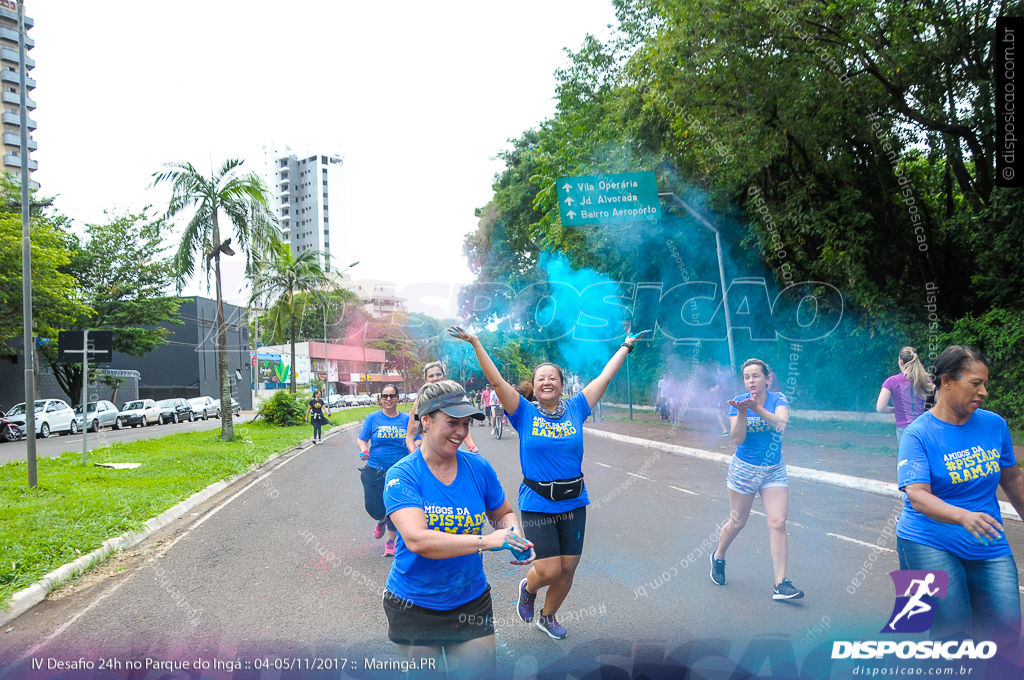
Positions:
(349, 400)
(101, 414)
(140, 412)
(52, 415)
(205, 407)
(363, 399)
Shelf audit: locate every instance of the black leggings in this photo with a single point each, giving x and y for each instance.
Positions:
(317, 421)
(373, 493)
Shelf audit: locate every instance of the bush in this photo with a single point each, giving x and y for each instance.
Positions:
(283, 409)
(1000, 335)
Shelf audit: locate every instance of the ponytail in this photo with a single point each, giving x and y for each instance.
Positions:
(525, 388)
(916, 373)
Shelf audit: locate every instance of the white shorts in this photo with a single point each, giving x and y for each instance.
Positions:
(749, 479)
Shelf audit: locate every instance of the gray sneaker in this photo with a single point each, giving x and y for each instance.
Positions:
(786, 591)
(717, 570)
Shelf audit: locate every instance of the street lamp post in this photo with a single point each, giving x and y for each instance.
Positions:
(721, 268)
(342, 272)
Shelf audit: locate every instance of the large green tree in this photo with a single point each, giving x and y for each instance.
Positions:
(122, 274)
(850, 143)
(243, 199)
(280, 276)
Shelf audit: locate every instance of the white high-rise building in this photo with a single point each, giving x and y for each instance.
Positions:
(309, 200)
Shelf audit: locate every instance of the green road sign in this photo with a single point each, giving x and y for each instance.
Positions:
(605, 199)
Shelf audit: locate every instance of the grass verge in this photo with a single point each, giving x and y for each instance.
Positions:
(76, 507)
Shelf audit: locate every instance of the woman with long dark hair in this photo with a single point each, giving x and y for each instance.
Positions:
(381, 444)
(757, 420)
(552, 497)
(909, 390)
(952, 460)
(437, 596)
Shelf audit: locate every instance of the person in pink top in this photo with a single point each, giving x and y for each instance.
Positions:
(909, 390)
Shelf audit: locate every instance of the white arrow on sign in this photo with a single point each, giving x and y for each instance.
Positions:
(567, 186)
(571, 215)
(568, 201)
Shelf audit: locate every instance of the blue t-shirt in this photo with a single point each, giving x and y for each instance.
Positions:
(763, 445)
(550, 450)
(459, 508)
(962, 463)
(386, 437)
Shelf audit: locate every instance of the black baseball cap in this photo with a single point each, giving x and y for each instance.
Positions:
(454, 404)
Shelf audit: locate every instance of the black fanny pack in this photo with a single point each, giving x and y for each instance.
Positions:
(558, 490)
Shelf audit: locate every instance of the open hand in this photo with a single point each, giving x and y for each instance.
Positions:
(747, 403)
(983, 526)
(458, 333)
(631, 338)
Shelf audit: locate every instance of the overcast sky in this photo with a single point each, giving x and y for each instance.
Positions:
(418, 98)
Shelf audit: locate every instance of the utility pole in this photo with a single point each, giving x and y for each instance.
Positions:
(26, 260)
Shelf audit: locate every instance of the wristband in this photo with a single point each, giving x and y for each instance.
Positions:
(629, 348)
(480, 544)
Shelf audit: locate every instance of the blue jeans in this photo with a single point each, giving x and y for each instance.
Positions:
(373, 494)
(983, 600)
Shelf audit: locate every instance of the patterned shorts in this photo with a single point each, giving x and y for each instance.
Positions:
(749, 479)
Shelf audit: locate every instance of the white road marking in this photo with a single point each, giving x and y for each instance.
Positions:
(640, 476)
(601, 464)
(755, 512)
(692, 493)
(864, 543)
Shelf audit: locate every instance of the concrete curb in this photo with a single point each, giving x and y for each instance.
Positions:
(852, 416)
(874, 486)
(25, 599)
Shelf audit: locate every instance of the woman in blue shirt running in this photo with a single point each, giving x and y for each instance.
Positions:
(757, 420)
(436, 596)
(552, 497)
(952, 460)
(381, 444)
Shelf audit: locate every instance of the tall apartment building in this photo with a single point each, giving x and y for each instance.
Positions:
(10, 94)
(309, 200)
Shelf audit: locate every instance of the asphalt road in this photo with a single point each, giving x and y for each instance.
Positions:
(55, 444)
(253, 585)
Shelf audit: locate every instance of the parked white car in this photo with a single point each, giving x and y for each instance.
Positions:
(140, 412)
(52, 415)
(363, 399)
(101, 414)
(334, 400)
(349, 400)
(205, 407)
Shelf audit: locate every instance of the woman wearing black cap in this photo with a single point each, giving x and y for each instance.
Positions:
(439, 497)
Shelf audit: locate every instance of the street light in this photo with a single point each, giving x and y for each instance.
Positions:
(721, 268)
(325, 320)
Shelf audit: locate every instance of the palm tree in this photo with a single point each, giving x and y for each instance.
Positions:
(280, 276)
(243, 198)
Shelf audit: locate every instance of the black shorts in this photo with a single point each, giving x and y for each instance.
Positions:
(410, 624)
(554, 534)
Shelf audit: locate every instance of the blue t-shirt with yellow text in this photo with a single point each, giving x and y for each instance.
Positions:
(963, 464)
(386, 437)
(763, 445)
(458, 508)
(550, 450)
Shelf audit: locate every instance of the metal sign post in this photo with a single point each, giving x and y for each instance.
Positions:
(101, 349)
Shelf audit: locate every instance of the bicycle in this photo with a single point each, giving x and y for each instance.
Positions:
(499, 419)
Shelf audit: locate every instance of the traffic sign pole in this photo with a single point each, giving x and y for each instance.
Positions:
(85, 395)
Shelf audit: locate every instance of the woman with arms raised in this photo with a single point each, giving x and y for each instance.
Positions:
(552, 497)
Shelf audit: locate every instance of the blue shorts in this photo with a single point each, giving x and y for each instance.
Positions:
(749, 479)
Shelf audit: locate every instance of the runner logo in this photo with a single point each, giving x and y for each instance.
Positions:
(914, 611)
